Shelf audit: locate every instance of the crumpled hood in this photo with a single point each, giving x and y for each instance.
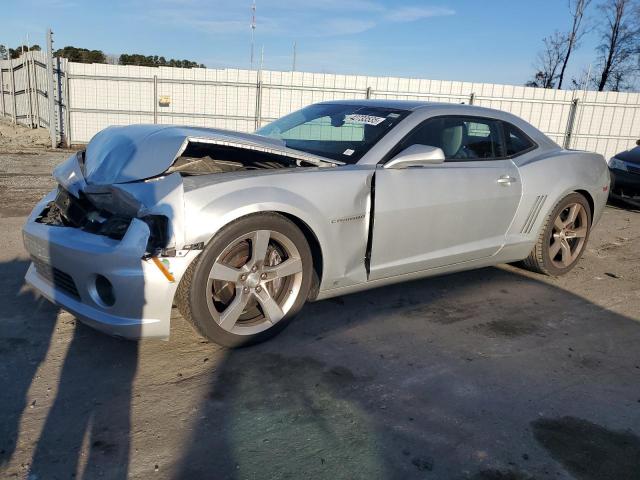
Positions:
(137, 152)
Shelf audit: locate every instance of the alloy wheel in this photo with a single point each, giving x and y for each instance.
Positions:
(254, 282)
(569, 234)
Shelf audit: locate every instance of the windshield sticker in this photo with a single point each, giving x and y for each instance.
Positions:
(364, 119)
(348, 152)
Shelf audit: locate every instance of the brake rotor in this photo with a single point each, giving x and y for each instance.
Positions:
(224, 292)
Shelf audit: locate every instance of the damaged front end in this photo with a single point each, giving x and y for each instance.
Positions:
(109, 244)
(104, 213)
(107, 253)
(84, 201)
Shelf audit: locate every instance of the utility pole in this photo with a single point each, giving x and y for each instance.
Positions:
(293, 67)
(253, 29)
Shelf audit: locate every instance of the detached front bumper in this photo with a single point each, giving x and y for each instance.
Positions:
(70, 266)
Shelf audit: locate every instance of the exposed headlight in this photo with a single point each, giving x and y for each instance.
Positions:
(617, 164)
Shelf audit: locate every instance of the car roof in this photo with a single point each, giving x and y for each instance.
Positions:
(440, 108)
(398, 104)
(420, 111)
(415, 106)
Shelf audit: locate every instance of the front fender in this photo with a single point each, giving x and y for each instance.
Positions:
(204, 223)
(333, 204)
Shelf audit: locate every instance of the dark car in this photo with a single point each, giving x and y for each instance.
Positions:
(625, 175)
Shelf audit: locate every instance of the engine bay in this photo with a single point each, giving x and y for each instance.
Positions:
(206, 158)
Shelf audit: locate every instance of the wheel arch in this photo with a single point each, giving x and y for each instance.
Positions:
(303, 218)
(316, 250)
(586, 194)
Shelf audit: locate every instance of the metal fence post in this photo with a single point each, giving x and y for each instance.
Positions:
(258, 116)
(67, 104)
(34, 70)
(570, 123)
(4, 110)
(63, 127)
(155, 99)
(50, 89)
(27, 81)
(13, 92)
(368, 93)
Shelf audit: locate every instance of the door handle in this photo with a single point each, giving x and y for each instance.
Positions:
(506, 180)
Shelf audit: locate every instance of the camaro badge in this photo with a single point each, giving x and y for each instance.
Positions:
(347, 219)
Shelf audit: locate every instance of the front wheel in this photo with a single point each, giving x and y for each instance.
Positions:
(563, 238)
(249, 282)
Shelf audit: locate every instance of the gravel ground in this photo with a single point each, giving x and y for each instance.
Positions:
(24, 180)
(491, 374)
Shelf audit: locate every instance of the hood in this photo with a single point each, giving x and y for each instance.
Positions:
(631, 156)
(137, 152)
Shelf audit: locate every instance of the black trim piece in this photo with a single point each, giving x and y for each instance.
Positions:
(395, 150)
(367, 255)
(56, 278)
(533, 214)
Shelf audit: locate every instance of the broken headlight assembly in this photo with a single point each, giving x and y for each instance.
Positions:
(80, 212)
(158, 232)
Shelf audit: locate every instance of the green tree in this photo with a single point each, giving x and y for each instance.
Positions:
(81, 55)
(16, 52)
(156, 61)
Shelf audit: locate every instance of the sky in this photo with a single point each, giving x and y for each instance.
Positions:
(492, 41)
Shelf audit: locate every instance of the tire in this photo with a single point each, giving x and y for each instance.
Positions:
(571, 216)
(236, 292)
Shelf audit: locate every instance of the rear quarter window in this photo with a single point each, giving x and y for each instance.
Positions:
(516, 141)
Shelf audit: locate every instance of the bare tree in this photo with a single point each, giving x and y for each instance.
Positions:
(577, 9)
(619, 43)
(549, 61)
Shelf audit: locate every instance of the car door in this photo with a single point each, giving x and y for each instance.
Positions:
(448, 213)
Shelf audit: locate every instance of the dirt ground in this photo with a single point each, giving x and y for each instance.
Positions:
(493, 374)
(16, 138)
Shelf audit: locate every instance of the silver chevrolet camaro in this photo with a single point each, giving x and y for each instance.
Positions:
(240, 230)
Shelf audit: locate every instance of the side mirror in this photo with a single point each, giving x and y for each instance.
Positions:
(416, 156)
(638, 142)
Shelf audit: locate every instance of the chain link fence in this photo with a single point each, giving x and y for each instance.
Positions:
(90, 97)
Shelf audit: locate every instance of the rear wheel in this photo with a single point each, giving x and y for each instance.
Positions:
(563, 238)
(249, 282)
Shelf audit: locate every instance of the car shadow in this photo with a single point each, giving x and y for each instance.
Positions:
(87, 426)
(471, 375)
(23, 348)
(488, 374)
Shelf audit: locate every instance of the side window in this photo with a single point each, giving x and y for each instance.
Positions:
(516, 141)
(460, 138)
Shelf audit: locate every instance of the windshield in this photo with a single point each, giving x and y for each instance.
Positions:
(339, 132)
